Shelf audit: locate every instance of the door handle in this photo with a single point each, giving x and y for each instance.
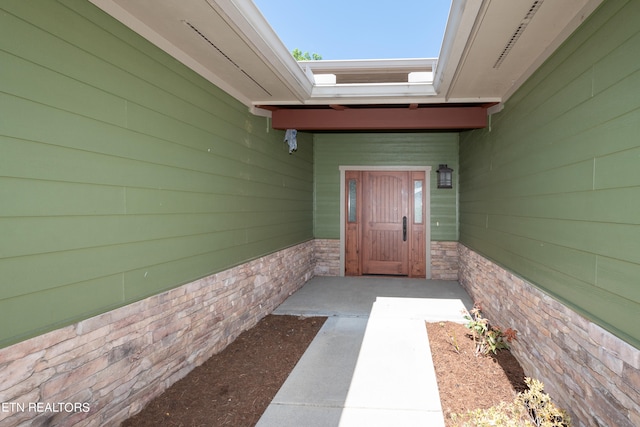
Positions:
(404, 228)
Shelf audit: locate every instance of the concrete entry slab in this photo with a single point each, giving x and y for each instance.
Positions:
(370, 364)
(354, 296)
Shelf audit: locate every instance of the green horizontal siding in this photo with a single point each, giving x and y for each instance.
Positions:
(123, 173)
(332, 150)
(552, 190)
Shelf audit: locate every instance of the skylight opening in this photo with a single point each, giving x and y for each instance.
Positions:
(359, 29)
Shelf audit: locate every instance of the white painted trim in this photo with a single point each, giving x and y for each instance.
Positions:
(427, 207)
(373, 90)
(460, 25)
(495, 109)
(256, 32)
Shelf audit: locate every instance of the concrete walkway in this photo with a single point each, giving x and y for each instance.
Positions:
(370, 364)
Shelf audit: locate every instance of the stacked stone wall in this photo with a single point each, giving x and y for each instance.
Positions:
(327, 257)
(588, 371)
(103, 370)
(444, 260)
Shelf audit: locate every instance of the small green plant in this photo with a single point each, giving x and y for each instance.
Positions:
(532, 408)
(487, 338)
(454, 341)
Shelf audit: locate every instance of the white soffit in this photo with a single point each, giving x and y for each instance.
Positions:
(228, 43)
(509, 41)
(231, 44)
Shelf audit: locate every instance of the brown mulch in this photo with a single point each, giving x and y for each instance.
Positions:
(234, 387)
(466, 381)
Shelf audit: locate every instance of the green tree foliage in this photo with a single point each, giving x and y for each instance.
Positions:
(299, 56)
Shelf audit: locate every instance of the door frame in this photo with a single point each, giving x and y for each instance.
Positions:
(427, 207)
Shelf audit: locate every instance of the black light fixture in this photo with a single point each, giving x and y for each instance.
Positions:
(445, 177)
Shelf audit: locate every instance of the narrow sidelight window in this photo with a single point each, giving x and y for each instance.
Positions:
(417, 202)
(352, 200)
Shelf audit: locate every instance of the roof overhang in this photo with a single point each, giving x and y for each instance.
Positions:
(490, 48)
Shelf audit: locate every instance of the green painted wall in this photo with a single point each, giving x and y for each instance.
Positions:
(123, 173)
(332, 150)
(552, 190)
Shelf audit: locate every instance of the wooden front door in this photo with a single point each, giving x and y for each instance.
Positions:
(384, 220)
(385, 223)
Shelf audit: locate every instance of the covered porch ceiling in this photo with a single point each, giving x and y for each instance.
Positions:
(490, 47)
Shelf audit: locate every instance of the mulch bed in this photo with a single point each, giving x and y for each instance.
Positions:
(234, 387)
(466, 381)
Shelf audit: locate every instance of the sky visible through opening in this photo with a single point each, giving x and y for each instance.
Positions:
(359, 29)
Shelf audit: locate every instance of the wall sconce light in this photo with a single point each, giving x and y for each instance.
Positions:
(445, 177)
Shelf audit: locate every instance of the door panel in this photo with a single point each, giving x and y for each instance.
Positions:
(375, 204)
(385, 248)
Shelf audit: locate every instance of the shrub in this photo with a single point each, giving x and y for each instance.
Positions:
(540, 407)
(532, 408)
(502, 415)
(487, 338)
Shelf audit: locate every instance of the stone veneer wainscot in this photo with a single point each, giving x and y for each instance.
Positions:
(327, 257)
(444, 259)
(120, 360)
(588, 371)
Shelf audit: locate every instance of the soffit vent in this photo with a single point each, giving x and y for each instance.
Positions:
(518, 32)
(221, 52)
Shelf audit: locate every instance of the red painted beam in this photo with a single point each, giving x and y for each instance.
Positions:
(426, 118)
